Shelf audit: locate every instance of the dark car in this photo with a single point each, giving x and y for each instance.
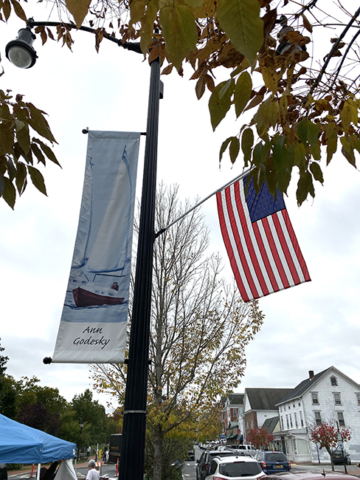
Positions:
(341, 456)
(191, 455)
(203, 464)
(272, 462)
(3, 472)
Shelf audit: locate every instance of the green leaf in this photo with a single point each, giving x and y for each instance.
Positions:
(234, 149)
(247, 141)
(47, 150)
(147, 27)
(331, 147)
(242, 92)
(240, 20)
(224, 147)
(19, 10)
(299, 156)
(317, 172)
(23, 137)
(9, 193)
(194, 3)
(78, 9)
(312, 133)
(348, 151)
(180, 33)
(38, 153)
(305, 186)
(39, 123)
(21, 174)
(219, 107)
(6, 138)
(37, 179)
(302, 131)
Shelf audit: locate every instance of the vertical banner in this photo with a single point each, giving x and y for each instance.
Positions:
(94, 318)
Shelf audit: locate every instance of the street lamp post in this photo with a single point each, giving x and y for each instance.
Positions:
(134, 427)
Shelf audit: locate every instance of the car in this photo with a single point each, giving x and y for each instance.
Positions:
(272, 462)
(203, 464)
(191, 455)
(3, 472)
(249, 448)
(235, 467)
(341, 456)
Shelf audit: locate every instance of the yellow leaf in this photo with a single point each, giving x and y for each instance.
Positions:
(179, 31)
(242, 92)
(240, 20)
(269, 74)
(137, 9)
(348, 114)
(78, 9)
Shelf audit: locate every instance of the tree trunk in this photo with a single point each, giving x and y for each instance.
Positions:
(158, 442)
(331, 458)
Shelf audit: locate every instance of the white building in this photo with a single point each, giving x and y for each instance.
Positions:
(327, 396)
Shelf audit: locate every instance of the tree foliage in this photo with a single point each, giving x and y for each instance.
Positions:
(199, 331)
(259, 437)
(326, 436)
(305, 104)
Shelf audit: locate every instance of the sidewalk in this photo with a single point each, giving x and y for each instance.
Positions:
(316, 467)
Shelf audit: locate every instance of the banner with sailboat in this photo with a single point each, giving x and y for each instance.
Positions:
(94, 318)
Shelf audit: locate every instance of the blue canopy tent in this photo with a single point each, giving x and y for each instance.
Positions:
(22, 444)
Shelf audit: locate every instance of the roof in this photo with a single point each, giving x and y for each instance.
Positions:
(236, 398)
(266, 398)
(270, 424)
(302, 387)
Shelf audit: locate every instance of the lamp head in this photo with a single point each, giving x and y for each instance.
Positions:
(20, 52)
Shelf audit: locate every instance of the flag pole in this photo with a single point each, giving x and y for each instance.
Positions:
(239, 177)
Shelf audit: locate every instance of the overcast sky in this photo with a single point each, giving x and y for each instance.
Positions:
(309, 327)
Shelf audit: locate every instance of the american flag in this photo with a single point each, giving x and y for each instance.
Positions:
(263, 250)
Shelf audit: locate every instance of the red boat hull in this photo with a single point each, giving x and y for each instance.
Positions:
(83, 298)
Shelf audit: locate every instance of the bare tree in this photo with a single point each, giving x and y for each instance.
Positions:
(199, 329)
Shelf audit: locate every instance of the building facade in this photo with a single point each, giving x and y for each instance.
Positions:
(327, 396)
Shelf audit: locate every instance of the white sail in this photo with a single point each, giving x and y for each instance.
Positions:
(110, 249)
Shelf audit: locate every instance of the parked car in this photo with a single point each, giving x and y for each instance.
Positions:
(191, 455)
(235, 467)
(248, 448)
(341, 456)
(3, 472)
(203, 464)
(272, 462)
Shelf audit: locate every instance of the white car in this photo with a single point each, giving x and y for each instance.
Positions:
(235, 467)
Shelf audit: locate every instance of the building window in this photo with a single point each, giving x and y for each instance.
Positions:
(315, 398)
(287, 421)
(282, 423)
(358, 398)
(341, 419)
(235, 412)
(293, 405)
(299, 404)
(333, 381)
(289, 407)
(296, 422)
(337, 398)
(317, 418)
(291, 424)
(301, 420)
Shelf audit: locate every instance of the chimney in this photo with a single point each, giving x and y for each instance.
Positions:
(311, 374)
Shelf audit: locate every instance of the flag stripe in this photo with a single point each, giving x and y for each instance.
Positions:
(239, 247)
(296, 247)
(240, 279)
(267, 256)
(274, 250)
(277, 234)
(243, 241)
(283, 235)
(253, 246)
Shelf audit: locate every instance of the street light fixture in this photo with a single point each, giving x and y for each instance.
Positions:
(20, 52)
(134, 427)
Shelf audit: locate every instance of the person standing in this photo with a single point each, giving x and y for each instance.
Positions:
(92, 474)
(88, 450)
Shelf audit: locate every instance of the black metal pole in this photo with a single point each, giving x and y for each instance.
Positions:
(134, 427)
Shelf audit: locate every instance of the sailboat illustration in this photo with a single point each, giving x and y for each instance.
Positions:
(99, 263)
